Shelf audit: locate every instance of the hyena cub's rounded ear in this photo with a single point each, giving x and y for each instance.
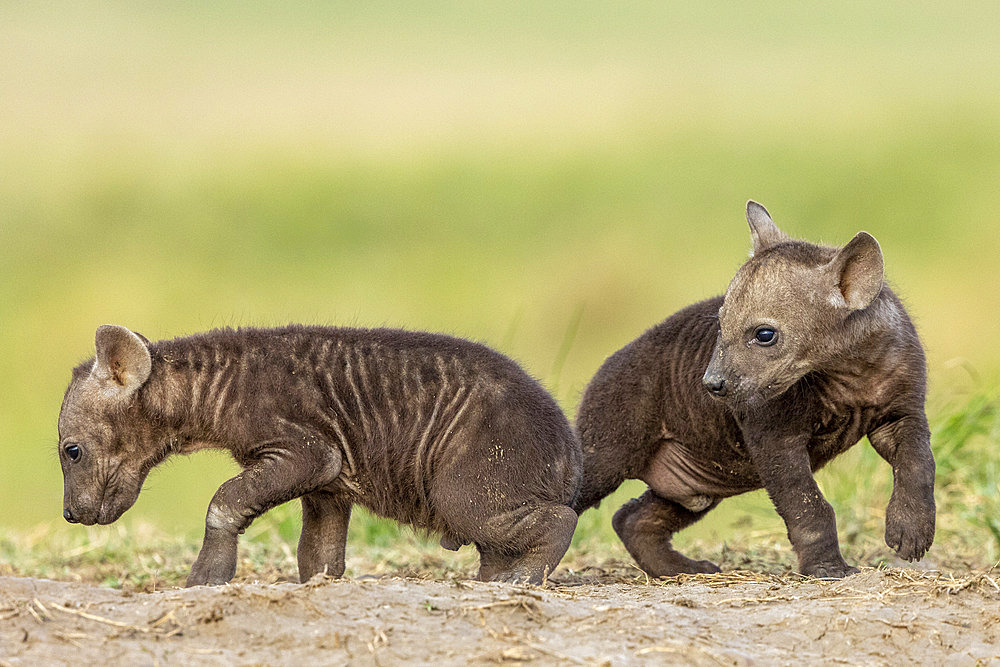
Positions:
(763, 232)
(858, 272)
(123, 361)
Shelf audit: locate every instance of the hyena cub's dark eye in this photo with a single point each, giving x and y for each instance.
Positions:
(765, 336)
(73, 452)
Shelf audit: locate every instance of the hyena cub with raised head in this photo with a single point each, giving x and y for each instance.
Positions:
(807, 352)
(437, 432)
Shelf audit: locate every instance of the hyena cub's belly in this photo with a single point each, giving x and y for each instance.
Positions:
(696, 481)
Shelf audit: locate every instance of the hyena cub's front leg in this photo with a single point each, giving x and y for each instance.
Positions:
(909, 518)
(281, 473)
(784, 468)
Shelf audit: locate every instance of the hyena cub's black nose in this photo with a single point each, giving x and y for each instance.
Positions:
(69, 516)
(714, 383)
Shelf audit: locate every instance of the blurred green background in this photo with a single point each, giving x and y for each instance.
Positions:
(550, 178)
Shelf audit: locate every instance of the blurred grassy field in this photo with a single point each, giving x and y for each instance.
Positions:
(548, 178)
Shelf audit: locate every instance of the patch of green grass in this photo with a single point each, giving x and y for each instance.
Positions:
(137, 557)
(966, 433)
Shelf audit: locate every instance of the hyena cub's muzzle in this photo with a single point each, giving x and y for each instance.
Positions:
(714, 379)
(715, 383)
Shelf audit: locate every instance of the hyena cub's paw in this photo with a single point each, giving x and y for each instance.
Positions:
(212, 569)
(209, 576)
(909, 527)
(830, 570)
(702, 567)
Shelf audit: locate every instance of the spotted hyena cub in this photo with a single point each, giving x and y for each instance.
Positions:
(808, 352)
(437, 432)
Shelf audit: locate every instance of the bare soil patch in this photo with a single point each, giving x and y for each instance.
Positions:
(880, 616)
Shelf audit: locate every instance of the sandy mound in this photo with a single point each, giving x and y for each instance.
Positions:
(877, 616)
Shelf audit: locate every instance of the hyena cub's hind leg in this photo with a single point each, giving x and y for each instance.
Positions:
(646, 524)
(526, 544)
(324, 534)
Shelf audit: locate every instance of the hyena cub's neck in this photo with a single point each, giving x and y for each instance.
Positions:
(200, 391)
(876, 349)
(880, 337)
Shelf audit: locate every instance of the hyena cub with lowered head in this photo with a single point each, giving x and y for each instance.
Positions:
(437, 432)
(807, 352)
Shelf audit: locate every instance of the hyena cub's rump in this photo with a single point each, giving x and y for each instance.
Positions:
(807, 352)
(437, 432)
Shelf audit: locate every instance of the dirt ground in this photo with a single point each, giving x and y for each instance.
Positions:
(890, 616)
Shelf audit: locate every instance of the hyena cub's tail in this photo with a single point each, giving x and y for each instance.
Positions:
(600, 478)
